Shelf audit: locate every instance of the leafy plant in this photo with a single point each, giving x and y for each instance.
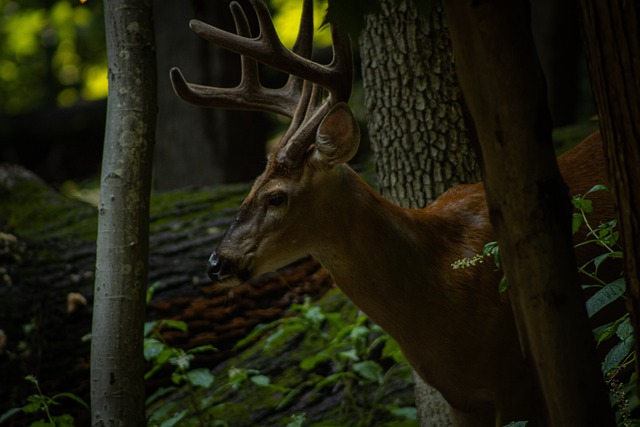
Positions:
(349, 358)
(38, 402)
(160, 354)
(617, 334)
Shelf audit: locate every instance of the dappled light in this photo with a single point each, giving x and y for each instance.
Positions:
(52, 55)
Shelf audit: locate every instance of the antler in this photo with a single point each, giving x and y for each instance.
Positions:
(300, 98)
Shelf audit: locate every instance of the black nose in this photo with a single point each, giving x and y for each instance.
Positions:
(218, 267)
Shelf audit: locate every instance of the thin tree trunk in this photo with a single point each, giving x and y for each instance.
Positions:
(117, 395)
(416, 126)
(610, 34)
(505, 92)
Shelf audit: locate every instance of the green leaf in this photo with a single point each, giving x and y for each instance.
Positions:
(177, 377)
(605, 296)
(165, 355)
(175, 324)
(148, 327)
(151, 290)
(582, 204)
(72, 397)
(201, 377)
(175, 419)
(64, 420)
(392, 350)
(257, 332)
(625, 330)
(576, 222)
(349, 355)
(152, 348)
(35, 402)
(359, 333)
(607, 331)
(311, 362)
(162, 391)
(286, 332)
(408, 412)
(491, 249)
(503, 285)
(202, 349)
(314, 315)
(597, 187)
(370, 370)
(331, 379)
(261, 380)
(297, 420)
(617, 355)
(9, 414)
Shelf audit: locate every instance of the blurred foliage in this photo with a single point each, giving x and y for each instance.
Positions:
(286, 19)
(51, 53)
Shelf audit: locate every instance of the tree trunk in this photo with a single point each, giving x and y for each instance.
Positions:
(200, 146)
(528, 203)
(416, 125)
(415, 122)
(47, 262)
(610, 34)
(117, 396)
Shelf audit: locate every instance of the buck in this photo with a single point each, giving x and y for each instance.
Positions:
(454, 328)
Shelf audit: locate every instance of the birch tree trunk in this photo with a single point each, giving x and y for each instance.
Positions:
(117, 388)
(416, 125)
(504, 88)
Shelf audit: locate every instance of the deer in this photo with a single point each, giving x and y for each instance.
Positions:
(454, 328)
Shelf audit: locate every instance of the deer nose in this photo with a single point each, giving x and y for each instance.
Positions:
(218, 266)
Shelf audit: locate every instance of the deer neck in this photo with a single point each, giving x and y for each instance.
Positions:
(372, 248)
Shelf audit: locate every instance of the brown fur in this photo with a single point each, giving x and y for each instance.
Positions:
(453, 326)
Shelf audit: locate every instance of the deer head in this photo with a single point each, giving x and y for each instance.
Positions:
(278, 221)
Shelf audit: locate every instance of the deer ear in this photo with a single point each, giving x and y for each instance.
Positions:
(338, 136)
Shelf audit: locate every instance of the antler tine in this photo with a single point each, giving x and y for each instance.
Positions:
(249, 94)
(342, 63)
(268, 49)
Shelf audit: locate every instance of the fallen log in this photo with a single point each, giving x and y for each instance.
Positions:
(47, 259)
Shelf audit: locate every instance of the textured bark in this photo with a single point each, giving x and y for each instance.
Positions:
(416, 125)
(528, 203)
(117, 367)
(610, 34)
(415, 122)
(47, 259)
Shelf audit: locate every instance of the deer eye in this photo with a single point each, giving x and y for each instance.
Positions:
(276, 199)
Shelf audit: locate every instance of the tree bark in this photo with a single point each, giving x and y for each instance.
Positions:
(117, 395)
(528, 203)
(416, 125)
(415, 122)
(47, 260)
(610, 35)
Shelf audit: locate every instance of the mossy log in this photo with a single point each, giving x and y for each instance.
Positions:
(47, 260)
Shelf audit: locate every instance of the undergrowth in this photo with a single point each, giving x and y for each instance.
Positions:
(618, 335)
(347, 355)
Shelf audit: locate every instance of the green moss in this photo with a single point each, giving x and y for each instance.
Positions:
(37, 212)
(193, 207)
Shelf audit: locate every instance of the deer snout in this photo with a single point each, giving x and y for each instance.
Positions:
(219, 267)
